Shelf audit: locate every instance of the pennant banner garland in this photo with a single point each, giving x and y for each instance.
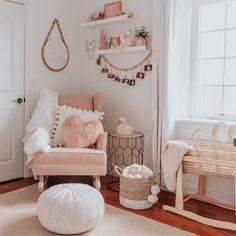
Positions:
(108, 69)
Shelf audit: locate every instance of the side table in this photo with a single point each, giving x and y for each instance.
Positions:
(123, 151)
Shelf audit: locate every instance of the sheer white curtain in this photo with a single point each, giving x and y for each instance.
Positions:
(171, 45)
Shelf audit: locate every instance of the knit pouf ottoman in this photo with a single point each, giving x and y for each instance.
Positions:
(70, 208)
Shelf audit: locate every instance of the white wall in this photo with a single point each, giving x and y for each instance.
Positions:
(133, 103)
(220, 189)
(84, 76)
(40, 15)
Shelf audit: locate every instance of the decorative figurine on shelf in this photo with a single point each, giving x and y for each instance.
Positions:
(123, 128)
(103, 41)
(116, 41)
(129, 40)
(95, 15)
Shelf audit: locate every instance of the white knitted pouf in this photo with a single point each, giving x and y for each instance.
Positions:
(70, 208)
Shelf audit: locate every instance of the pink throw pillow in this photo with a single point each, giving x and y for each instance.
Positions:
(79, 134)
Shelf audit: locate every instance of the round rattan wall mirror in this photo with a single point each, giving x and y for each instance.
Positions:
(55, 52)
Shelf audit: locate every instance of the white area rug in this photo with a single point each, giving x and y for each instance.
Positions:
(18, 218)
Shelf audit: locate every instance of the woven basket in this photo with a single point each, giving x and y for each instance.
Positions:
(211, 158)
(132, 189)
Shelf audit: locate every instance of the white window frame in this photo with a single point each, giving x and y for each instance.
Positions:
(194, 66)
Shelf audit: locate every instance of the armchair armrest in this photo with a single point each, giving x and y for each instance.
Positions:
(102, 142)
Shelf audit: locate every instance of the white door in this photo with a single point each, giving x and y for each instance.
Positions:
(11, 88)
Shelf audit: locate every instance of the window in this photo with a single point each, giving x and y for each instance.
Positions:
(214, 59)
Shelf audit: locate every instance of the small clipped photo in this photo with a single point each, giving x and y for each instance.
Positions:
(140, 75)
(110, 76)
(117, 79)
(132, 82)
(148, 67)
(104, 70)
(125, 81)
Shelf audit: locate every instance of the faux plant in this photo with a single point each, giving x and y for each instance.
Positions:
(141, 32)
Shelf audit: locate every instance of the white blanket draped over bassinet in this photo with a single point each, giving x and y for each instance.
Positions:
(171, 159)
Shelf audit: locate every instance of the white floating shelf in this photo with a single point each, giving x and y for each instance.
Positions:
(121, 50)
(106, 21)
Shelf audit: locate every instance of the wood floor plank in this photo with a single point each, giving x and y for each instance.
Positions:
(156, 212)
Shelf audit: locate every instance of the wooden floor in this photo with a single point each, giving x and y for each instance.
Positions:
(156, 212)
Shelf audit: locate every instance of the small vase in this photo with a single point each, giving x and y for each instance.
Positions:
(140, 41)
(129, 40)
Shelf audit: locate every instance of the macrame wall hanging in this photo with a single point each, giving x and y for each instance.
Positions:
(55, 53)
(125, 75)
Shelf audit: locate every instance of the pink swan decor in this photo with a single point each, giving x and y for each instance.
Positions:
(79, 134)
(123, 128)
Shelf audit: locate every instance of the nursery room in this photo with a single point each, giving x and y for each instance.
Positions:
(118, 117)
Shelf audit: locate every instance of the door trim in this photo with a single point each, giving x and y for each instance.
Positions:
(27, 82)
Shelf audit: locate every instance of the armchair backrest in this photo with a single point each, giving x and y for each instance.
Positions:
(88, 102)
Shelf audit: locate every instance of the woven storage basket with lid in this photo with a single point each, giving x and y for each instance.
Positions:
(133, 191)
(211, 158)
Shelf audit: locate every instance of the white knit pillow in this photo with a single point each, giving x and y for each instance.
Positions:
(45, 112)
(62, 113)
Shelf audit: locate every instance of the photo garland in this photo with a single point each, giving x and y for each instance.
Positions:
(144, 67)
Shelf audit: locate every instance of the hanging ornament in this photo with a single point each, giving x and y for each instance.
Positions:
(90, 48)
(55, 52)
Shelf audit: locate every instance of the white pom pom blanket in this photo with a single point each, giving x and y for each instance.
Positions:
(39, 127)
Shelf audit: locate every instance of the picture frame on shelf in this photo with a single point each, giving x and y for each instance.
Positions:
(112, 9)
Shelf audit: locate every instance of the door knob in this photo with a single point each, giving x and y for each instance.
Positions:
(18, 100)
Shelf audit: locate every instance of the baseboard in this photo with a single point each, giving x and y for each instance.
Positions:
(225, 197)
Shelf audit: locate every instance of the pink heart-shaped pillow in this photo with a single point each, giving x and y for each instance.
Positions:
(79, 134)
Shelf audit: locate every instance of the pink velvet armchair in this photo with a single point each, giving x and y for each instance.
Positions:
(74, 161)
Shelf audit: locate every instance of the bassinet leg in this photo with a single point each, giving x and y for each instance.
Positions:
(179, 208)
(202, 186)
(179, 203)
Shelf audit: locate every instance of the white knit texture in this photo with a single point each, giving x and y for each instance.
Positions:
(45, 112)
(70, 208)
(38, 142)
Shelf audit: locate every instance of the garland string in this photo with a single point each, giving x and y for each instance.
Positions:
(129, 68)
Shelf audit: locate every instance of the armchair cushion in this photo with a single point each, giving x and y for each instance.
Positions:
(102, 142)
(70, 161)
